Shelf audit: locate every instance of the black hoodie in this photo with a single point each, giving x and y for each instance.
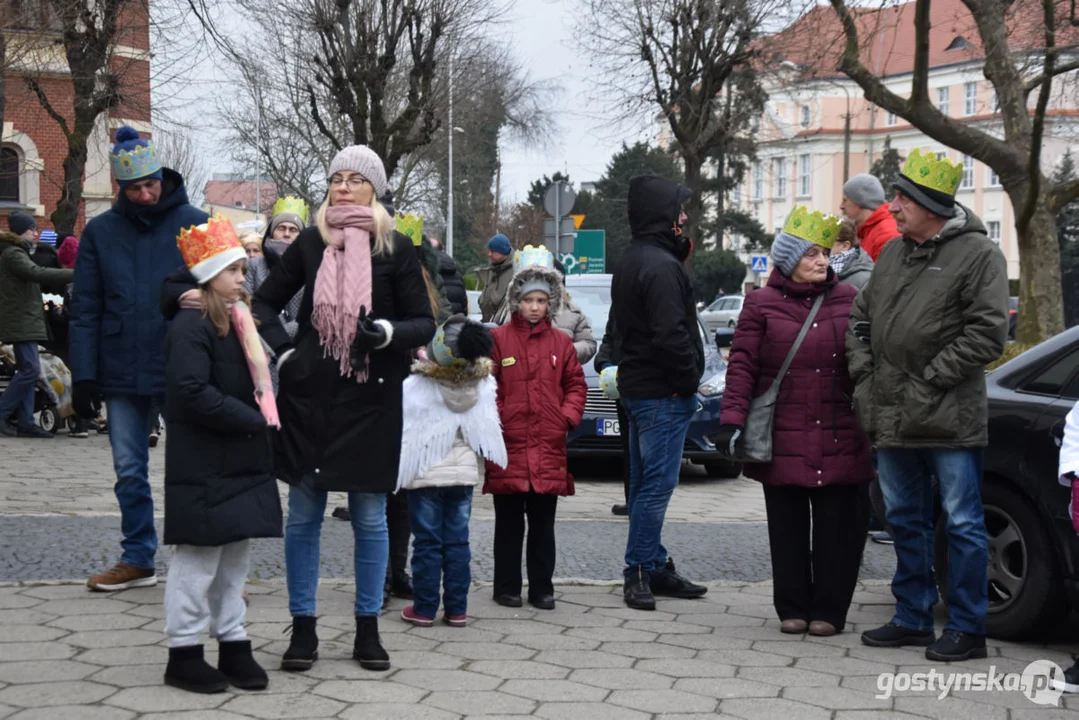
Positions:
(652, 298)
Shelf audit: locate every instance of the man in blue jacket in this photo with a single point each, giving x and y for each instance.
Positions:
(118, 333)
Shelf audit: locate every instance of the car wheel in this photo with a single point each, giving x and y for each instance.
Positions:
(723, 469)
(47, 419)
(1025, 587)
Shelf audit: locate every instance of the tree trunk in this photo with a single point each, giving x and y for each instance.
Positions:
(3, 76)
(721, 194)
(67, 208)
(692, 208)
(1041, 314)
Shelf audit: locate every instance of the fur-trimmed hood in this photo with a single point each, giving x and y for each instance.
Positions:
(10, 238)
(536, 272)
(455, 374)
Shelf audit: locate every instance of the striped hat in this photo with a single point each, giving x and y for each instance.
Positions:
(48, 237)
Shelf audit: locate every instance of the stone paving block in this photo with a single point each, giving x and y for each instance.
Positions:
(647, 650)
(47, 694)
(595, 600)
(408, 641)
(95, 606)
(110, 657)
(33, 631)
(486, 651)
(1043, 713)
(393, 711)
(151, 612)
(948, 708)
(113, 638)
(1015, 700)
(480, 703)
(580, 620)
(419, 660)
(584, 659)
(331, 668)
(835, 698)
(587, 711)
(511, 627)
(772, 709)
(284, 707)
(22, 652)
(44, 671)
(162, 698)
(888, 656)
(687, 668)
(625, 613)
(6, 710)
(706, 642)
(873, 715)
(844, 666)
(655, 701)
(10, 601)
(788, 676)
(724, 620)
(71, 712)
(445, 633)
(195, 715)
(56, 592)
(623, 679)
(799, 648)
(84, 623)
(554, 690)
(551, 642)
(370, 691)
(720, 688)
(612, 634)
(745, 658)
(519, 669)
(666, 628)
(442, 680)
(130, 675)
(709, 604)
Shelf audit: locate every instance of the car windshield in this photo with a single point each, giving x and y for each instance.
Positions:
(595, 301)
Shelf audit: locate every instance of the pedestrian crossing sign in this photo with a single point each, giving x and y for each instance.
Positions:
(759, 263)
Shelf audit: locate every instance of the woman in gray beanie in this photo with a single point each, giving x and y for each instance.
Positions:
(364, 309)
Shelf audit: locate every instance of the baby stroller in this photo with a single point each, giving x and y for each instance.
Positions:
(52, 394)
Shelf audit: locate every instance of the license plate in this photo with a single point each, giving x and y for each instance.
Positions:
(608, 427)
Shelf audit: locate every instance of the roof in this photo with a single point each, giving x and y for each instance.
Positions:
(240, 194)
(816, 41)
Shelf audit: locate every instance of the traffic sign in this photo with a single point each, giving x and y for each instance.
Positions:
(759, 263)
(589, 254)
(566, 232)
(559, 198)
(577, 221)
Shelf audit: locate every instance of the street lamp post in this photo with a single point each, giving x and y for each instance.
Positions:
(449, 189)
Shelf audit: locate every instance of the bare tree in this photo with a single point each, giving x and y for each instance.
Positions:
(177, 150)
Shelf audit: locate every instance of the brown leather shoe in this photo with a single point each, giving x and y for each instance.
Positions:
(793, 626)
(122, 577)
(821, 628)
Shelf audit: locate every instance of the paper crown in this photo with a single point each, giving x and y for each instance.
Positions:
(923, 168)
(210, 248)
(814, 227)
(411, 225)
(290, 204)
(530, 256)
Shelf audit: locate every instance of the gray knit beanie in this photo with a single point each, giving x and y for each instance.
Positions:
(534, 284)
(365, 161)
(865, 191)
(787, 251)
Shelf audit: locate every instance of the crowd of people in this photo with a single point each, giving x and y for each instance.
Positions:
(333, 354)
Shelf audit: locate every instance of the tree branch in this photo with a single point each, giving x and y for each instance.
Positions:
(1057, 70)
(317, 117)
(42, 98)
(1034, 173)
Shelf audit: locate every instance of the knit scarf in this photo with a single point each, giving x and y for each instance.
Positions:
(841, 260)
(343, 283)
(257, 364)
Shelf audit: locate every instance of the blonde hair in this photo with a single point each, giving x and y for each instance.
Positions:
(383, 227)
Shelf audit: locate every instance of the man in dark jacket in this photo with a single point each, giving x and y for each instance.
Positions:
(22, 324)
(662, 362)
(118, 333)
(608, 356)
(452, 281)
(934, 313)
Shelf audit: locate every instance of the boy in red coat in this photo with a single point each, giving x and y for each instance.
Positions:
(541, 395)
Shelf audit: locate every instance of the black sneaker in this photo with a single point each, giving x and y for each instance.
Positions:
(620, 509)
(303, 648)
(8, 430)
(637, 590)
(668, 583)
(341, 513)
(883, 538)
(892, 635)
(79, 429)
(34, 432)
(509, 600)
(954, 646)
(401, 585)
(1070, 682)
(541, 602)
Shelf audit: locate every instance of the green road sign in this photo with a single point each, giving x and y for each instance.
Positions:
(589, 254)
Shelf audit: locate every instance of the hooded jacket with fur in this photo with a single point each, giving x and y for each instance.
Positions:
(22, 314)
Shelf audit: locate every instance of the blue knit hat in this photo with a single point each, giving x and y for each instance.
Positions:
(133, 158)
(47, 237)
(19, 222)
(500, 244)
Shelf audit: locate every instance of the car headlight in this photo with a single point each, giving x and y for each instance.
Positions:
(714, 385)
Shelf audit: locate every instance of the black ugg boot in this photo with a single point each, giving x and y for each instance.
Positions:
(239, 666)
(368, 649)
(188, 670)
(303, 649)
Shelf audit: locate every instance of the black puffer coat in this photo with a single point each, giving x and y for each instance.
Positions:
(219, 480)
(453, 283)
(344, 434)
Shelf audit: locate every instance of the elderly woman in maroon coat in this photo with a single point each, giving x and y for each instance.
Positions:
(814, 486)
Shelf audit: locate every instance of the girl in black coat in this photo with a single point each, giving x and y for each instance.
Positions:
(219, 483)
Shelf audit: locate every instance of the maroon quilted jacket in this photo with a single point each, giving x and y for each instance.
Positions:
(817, 439)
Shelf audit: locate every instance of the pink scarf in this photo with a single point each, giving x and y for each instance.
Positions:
(257, 364)
(343, 282)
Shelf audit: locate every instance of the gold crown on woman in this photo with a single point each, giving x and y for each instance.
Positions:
(814, 227)
(926, 169)
(290, 204)
(411, 225)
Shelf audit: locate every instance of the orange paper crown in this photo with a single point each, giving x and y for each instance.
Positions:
(210, 248)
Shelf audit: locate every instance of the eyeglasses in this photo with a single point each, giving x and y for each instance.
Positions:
(354, 182)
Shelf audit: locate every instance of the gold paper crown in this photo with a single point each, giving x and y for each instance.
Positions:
(814, 227)
(531, 256)
(923, 168)
(208, 249)
(290, 204)
(411, 225)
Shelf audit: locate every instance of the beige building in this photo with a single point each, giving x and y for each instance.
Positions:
(246, 204)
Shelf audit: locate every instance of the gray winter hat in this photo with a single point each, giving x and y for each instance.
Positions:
(787, 251)
(365, 161)
(865, 191)
(532, 285)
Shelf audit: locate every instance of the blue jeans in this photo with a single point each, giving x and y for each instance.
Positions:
(440, 553)
(18, 398)
(303, 535)
(657, 432)
(906, 481)
(129, 426)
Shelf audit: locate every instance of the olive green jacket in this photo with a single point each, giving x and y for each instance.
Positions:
(22, 312)
(497, 281)
(938, 314)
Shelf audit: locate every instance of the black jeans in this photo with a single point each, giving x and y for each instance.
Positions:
(510, 514)
(816, 536)
(399, 530)
(623, 439)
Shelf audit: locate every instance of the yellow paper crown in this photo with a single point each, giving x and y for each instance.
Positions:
(208, 249)
(411, 225)
(814, 227)
(290, 204)
(530, 256)
(923, 168)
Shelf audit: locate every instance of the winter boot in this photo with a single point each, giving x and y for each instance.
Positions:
(303, 649)
(239, 666)
(188, 670)
(368, 649)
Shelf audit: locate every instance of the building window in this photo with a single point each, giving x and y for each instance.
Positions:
(889, 119)
(970, 105)
(803, 176)
(758, 181)
(805, 116)
(942, 100)
(994, 230)
(994, 179)
(968, 173)
(781, 178)
(9, 175)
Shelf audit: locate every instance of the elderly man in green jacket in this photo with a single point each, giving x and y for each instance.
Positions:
(934, 313)
(22, 324)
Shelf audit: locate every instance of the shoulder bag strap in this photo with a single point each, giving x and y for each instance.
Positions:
(801, 337)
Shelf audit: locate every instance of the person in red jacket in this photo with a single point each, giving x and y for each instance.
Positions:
(541, 395)
(864, 204)
(814, 492)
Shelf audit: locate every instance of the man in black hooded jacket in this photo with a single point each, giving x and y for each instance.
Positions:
(660, 370)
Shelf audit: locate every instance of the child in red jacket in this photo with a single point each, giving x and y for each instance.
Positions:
(541, 395)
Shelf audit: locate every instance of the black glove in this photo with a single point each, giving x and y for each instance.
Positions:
(728, 440)
(369, 336)
(861, 330)
(83, 394)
